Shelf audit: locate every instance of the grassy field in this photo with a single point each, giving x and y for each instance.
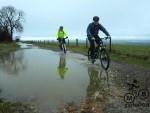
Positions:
(132, 54)
(7, 47)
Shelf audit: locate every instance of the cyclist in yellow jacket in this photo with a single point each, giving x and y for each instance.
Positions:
(61, 36)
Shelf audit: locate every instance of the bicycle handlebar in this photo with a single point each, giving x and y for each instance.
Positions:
(66, 38)
(108, 37)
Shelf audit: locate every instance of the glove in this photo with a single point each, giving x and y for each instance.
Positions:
(108, 37)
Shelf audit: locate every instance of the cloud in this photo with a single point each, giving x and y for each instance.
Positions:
(43, 17)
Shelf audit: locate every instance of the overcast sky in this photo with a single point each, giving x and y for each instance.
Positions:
(119, 17)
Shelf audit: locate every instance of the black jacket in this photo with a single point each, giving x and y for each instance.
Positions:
(93, 30)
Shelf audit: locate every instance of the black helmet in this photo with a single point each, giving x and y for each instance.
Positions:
(61, 27)
(95, 18)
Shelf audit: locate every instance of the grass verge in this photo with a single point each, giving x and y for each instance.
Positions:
(8, 47)
(131, 54)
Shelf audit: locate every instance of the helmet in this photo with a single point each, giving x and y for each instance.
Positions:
(61, 27)
(95, 18)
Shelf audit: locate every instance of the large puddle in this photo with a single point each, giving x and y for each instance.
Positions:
(47, 79)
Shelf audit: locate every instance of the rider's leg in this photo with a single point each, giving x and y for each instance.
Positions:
(64, 43)
(98, 41)
(92, 47)
(60, 44)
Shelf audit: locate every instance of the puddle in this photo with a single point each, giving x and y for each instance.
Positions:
(46, 79)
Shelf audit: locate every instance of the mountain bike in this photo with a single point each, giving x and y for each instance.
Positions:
(62, 45)
(101, 54)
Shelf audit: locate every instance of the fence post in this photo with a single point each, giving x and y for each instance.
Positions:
(68, 42)
(76, 42)
(86, 42)
(110, 45)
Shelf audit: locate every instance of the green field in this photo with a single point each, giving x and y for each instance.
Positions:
(7, 47)
(132, 54)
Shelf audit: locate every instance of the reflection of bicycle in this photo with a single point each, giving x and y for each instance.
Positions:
(62, 69)
(62, 44)
(102, 54)
(135, 93)
(99, 81)
(105, 77)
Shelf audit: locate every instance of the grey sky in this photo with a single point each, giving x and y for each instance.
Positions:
(119, 17)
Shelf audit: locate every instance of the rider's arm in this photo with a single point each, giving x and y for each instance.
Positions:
(65, 34)
(103, 30)
(89, 31)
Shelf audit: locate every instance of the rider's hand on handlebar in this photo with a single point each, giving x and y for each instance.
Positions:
(108, 37)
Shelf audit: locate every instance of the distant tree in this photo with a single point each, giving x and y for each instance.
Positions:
(11, 21)
(4, 35)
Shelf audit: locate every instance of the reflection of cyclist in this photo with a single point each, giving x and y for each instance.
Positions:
(92, 33)
(61, 36)
(97, 84)
(62, 66)
(94, 83)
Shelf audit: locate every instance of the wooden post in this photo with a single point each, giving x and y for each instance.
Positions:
(110, 44)
(76, 42)
(68, 42)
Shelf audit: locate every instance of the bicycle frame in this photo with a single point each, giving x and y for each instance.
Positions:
(102, 44)
(101, 53)
(63, 45)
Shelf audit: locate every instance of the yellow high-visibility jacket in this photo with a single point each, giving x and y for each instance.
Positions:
(61, 34)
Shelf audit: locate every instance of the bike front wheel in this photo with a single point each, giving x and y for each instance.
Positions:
(104, 59)
(64, 48)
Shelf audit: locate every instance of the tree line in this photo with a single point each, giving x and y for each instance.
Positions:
(11, 21)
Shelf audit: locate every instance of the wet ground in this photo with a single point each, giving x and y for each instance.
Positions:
(53, 81)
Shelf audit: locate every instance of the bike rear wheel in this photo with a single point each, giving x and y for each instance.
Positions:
(104, 59)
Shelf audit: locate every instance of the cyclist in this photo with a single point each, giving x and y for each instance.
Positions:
(92, 34)
(61, 35)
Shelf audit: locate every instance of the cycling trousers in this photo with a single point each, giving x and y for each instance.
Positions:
(92, 44)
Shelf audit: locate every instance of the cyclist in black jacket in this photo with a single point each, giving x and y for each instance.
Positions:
(92, 34)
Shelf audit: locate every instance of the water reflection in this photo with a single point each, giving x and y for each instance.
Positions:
(12, 63)
(104, 78)
(62, 69)
(0, 95)
(99, 82)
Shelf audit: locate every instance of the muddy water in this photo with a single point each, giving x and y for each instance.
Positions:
(48, 79)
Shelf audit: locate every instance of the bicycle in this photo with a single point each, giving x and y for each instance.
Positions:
(136, 92)
(131, 96)
(62, 44)
(101, 53)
